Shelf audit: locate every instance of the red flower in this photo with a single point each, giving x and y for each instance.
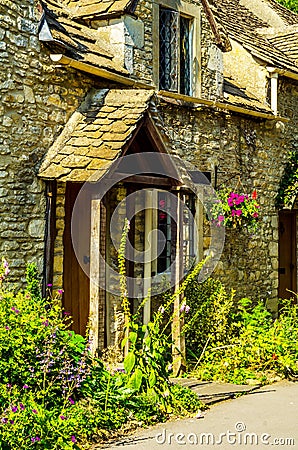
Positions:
(254, 195)
(274, 356)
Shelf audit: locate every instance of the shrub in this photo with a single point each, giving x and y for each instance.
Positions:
(261, 350)
(211, 321)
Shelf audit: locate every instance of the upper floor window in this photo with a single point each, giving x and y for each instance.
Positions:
(176, 46)
(175, 51)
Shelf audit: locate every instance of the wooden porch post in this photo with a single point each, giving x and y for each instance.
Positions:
(94, 273)
(178, 339)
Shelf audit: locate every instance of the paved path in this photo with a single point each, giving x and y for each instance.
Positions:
(267, 418)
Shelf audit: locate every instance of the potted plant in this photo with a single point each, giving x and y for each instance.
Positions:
(234, 210)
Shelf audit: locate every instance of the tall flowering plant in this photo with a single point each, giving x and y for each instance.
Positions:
(234, 210)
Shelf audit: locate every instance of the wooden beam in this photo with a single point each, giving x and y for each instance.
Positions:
(178, 339)
(147, 253)
(94, 273)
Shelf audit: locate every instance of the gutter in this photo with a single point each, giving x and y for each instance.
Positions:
(62, 59)
(283, 72)
(221, 105)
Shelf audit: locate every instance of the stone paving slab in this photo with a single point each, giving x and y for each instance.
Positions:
(211, 392)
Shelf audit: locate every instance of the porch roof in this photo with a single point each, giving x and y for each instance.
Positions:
(96, 134)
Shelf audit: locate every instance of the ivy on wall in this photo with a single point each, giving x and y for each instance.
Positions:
(288, 187)
(290, 4)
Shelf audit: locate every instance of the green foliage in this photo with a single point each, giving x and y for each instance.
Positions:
(211, 320)
(54, 394)
(288, 187)
(147, 363)
(290, 4)
(259, 349)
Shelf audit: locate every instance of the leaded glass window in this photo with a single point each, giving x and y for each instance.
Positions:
(174, 52)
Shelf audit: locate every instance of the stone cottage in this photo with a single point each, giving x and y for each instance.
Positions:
(212, 83)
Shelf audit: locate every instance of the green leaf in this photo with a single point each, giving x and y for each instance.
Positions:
(123, 343)
(133, 337)
(135, 380)
(129, 362)
(152, 378)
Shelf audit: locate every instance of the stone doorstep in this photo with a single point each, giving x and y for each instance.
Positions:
(212, 392)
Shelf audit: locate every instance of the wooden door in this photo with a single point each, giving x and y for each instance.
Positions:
(75, 280)
(287, 271)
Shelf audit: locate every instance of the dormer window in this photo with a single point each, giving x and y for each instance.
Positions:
(174, 52)
(176, 47)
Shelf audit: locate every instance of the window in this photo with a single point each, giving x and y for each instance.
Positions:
(175, 51)
(177, 46)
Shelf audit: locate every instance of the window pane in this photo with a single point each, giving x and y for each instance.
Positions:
(185, 56)
(168, 49)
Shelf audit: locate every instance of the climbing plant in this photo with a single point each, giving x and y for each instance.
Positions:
(290, 4)
(288, 187)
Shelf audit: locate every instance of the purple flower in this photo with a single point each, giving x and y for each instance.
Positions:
(187, 309)
(71, 401)
(8, 385)
(16, 311)
(4, 420)
(73, 439)
(46, 323)
(60, 291)
(49, 285)
(14, 408)
(5, 264)
(22, 407)
(182, 307)
(66, 313)
(62, 417)
(35, 439)
(7, 327)
(6, 271)
(12, 422)
(13, 308)
(25, 386)
(34, 411)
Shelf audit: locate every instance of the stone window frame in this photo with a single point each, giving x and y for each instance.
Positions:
(193, 12)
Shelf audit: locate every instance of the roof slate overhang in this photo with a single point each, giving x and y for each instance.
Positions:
(249, 30)
(63, 35)
(96, 135)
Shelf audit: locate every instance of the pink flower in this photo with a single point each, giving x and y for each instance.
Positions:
(238, 212)
(187, 309)
(161, 309)
(71, 401)
(34, 411)
(25, 386)
(60, 291)
(255, 215)
(62, 417)
(73, 439)
(221, 218)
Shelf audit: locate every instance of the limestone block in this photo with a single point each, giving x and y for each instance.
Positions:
(36, 228)
(29, 95)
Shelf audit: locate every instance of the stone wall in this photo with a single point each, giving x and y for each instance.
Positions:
(36, 101)
(253, 150)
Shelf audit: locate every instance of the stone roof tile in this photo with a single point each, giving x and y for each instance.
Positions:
(60, 31)
(87, 146)
(248, 29)
(100, 8)
(235, 94)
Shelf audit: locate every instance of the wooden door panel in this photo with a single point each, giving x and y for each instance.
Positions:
(287, 254)
(75, 281)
